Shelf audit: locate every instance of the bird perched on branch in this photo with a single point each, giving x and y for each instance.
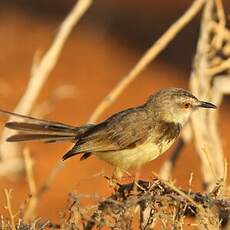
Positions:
(129, 138)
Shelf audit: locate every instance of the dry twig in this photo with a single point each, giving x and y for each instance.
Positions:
(167, 205)
(209, 83)
(39, 74)
(149, 56)
(9, 208)
(163, 200)
(29, 213)
(204, 125)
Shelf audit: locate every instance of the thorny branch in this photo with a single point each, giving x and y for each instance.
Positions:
(152, 202)
(165, 202)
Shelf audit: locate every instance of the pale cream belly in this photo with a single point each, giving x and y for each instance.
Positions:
(134, 157)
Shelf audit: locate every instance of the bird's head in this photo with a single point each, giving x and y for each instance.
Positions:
(175, 105)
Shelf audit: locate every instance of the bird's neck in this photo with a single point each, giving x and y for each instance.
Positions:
(169, 116)
(178, 118)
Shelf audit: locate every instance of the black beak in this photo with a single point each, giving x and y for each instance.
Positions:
(207, 105)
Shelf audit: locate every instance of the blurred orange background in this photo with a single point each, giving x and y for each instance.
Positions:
(104, 46)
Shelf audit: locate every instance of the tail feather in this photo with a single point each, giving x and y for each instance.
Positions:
(39, 137)
(69, 154)
(85, 156)
(42, 127)
(34, 120)
(76, 151)
(43, 130)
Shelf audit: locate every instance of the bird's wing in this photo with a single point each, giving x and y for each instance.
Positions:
(123, 130)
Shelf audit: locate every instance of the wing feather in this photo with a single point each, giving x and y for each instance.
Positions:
(123, 130)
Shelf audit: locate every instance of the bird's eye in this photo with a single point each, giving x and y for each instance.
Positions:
(187, 105)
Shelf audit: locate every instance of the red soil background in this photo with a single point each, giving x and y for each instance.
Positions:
(102, 49)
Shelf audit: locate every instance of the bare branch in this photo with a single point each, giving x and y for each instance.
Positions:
(39, 74)
(218, 69)
(9, 208)
(208, 82)
(162, 199)
(221, 23)
(205, 124)
(222, 84)
(149, 56)
(29, 213)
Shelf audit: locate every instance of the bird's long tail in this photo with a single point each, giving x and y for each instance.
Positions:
(42, 130)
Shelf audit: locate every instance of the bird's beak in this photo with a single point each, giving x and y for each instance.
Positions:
(207, 105)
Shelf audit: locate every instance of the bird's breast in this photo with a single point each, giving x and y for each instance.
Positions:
(137, 156)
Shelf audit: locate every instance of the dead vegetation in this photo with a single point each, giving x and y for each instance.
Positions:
(157, 202)
(153, 203)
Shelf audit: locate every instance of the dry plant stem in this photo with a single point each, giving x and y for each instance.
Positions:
(204, 123)
(222, 84)
(84, 6)
(30, 211)
(205, 85)
(9, 208)
(219, 29)
(149, 56)
(221, 24)
(174, 188)
(151, 197)
(39, 74)
(217, 69)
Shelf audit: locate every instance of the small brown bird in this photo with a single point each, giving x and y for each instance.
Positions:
(127, 139)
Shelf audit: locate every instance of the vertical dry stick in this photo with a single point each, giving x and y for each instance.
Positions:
(221, 23)
(200, 85)
(9, 208)
(40, 72)
(204, 123)
(29, 213)
(206, 85)
(149, 56)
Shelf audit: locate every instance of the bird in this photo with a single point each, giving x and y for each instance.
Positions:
(127, 139)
